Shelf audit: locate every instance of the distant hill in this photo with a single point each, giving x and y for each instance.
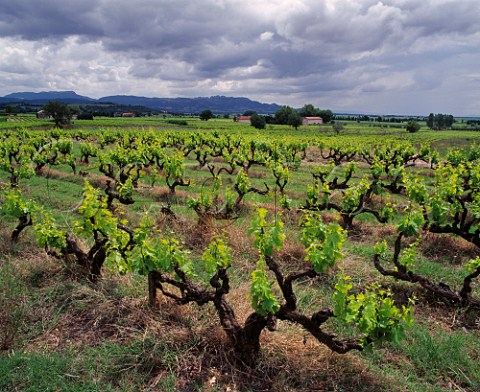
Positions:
(217, 104)
(43, 97)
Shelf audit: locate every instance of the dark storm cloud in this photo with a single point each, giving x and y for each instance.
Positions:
(33, 20)
(332, 48)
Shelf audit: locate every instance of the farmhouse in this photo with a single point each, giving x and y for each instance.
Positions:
(42, 114)
(312, 120)
(243, 119)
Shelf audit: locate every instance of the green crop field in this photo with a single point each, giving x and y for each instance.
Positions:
(174, 254)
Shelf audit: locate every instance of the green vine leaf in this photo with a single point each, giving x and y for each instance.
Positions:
(217, 255)
(373, 312)
(263, 300)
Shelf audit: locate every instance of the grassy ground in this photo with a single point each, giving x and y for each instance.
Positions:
(60, 332)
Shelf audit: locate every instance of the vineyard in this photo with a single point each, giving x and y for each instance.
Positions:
(143, 254)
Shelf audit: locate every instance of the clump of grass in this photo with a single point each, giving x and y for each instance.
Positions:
(12, 311)
(442, 359)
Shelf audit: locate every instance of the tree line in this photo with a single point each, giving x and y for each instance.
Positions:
(440, 121)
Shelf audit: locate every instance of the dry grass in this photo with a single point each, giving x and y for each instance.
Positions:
(242, 246)
(259, 174)
(447, 247)
(294, 362)
(49, 172)
(97, 180)
(162, 194)
(14, 300)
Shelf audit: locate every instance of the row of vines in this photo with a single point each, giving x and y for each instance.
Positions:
(331, 185)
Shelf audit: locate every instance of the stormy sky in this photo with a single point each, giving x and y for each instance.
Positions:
(386, 57)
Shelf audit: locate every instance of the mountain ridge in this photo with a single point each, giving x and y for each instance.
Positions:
(218, 104)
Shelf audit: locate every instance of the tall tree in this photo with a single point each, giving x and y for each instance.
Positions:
(61, 113)
(449, 120)
(281, 115)
(308, 110)
(431, 120)
(294, 119)
(288, 116)
(326, 114)
(439, 121)
(206, 115)
(257, 121)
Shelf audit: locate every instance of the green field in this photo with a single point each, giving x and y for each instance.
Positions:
(173, 189)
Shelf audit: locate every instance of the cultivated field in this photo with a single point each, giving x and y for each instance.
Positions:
(164, 254)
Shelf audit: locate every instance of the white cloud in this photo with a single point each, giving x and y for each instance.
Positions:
(364, 55)
(266, 36)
